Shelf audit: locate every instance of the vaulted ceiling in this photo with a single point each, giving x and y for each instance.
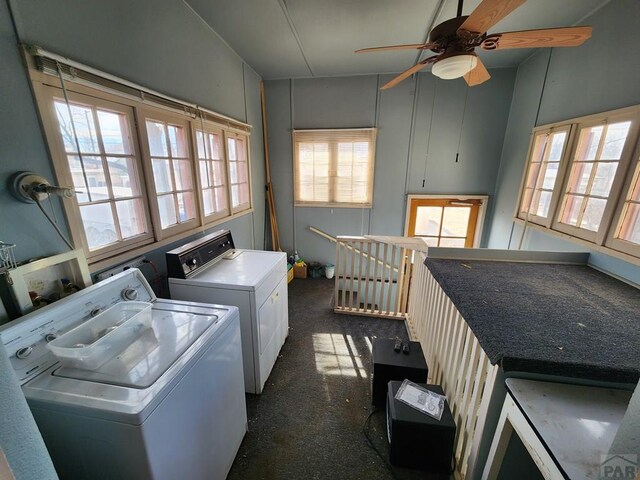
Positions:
(305, 38)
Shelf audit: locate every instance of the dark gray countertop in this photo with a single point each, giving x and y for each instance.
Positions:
(553, 319)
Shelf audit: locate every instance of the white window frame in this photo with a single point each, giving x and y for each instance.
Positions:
(241, 207)
(525, 215)
(604, 239)
(368, 134)
(599, 236)
(46, 95)
(144, 114)
(107, 88)
(633, 176)
(213, 129)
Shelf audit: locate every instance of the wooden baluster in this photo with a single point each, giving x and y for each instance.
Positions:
(366, 282)
(390, 289)
(375, 279)
(337, 276)
(361, 258)
(343, 304)
(352, 274)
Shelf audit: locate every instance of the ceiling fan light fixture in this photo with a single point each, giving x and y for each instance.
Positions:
(454, 67)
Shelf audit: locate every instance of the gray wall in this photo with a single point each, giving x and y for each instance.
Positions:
(160, 44)
(20, 439)
(403, 116)
(602, 75)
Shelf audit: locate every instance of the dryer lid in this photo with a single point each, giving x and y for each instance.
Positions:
(174, 329)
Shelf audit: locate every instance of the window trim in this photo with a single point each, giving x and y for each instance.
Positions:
(100, 86)
(143, 114)
(372, 138)
(211, 128)
(545, 221)
(45, 95)
(242, 206)
(615, 192)
(482, 209)
(633, 175)
(604, 239)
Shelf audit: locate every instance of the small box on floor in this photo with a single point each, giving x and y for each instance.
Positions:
(417, 440)
(300, 270)
(387, 364)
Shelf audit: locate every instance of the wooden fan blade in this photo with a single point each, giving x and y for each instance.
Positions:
(411, 46)
(549, 37)
(487, 14)
(478, 75)
(407, 73)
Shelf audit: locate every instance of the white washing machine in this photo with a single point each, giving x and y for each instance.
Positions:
(211, 270)
(169, 405)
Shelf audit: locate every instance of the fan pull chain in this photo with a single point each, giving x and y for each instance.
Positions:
(464, 112)
(433, 105)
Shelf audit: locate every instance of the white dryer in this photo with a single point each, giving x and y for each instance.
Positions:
(211, 270)
(169, 405)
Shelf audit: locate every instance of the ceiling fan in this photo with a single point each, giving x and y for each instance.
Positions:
(455, 40)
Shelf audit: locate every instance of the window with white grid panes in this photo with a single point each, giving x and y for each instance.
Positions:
(592, 171)
(145, 174)
(593, 192)
(213, 173)
(238, 172)
(102, 164)
(171, 164)
(544, 165)
(626, 236)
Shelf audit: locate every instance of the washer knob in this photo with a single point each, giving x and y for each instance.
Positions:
(24, 352)
(50, 336)
(130, 294)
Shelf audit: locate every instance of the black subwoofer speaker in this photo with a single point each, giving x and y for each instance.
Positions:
(391, 365)
(417, 440)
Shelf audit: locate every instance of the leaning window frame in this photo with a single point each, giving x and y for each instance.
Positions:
(46, 93)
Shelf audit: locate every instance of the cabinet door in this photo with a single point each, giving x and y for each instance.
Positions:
(270, 318)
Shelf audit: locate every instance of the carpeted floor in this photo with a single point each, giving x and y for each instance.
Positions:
(307, 424)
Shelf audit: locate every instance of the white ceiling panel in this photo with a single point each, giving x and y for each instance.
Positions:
(258, 31)
(303, 38)
(331, 30)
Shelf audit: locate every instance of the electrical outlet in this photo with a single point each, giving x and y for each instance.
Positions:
(134, 263)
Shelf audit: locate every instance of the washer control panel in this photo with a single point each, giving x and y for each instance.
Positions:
(185, 261)
(26, 338)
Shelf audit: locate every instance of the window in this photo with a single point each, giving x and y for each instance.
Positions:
(334, 167)
(146, 170)
(94, 143)
(445, 221)
(546, 152)
(578, 184)
(238, 172)
(626, 236)
(594, 164)
(168, 150)
(213, 173)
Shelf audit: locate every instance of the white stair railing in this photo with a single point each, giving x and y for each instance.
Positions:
(373, 275)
